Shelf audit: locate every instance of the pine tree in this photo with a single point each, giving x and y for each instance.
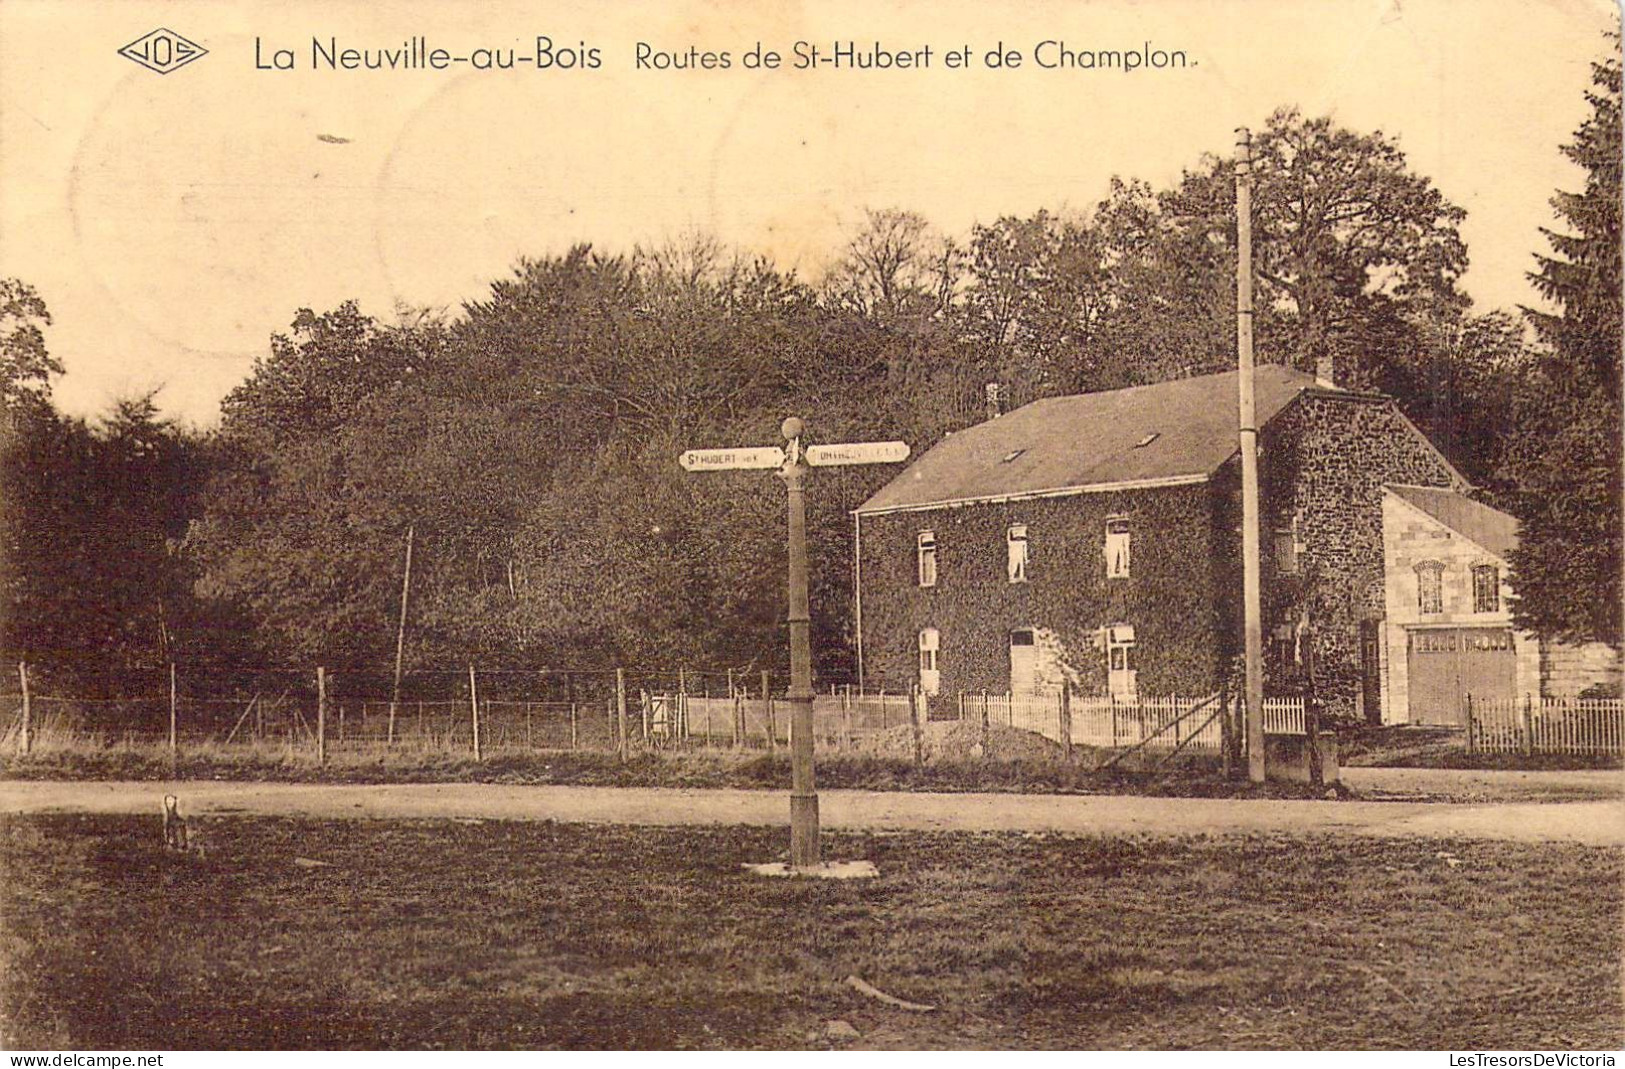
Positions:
(1564, 448)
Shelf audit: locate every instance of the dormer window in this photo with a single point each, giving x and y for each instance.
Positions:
(1430, 586)
(1117, 547)
(926, 554)
(1016, 552)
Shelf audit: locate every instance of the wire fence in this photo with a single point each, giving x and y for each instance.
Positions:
(464, 712)
(300, 712)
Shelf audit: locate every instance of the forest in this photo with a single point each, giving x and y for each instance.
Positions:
(523, 447)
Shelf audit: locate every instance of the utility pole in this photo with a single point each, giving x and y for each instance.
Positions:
(1247, 420)
(400, 631)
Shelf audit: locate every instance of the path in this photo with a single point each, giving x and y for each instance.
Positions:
(1599, 823)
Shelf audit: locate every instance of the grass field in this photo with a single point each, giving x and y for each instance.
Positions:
(465, 934)
(1185, 777)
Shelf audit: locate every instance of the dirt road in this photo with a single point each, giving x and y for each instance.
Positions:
(1595, 822)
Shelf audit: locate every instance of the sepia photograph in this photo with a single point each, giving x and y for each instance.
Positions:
(826, 526)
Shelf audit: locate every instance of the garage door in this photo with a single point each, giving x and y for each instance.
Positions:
(1446, 665)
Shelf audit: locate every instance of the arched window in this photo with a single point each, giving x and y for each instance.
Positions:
(1486, 588)
(1430, 586)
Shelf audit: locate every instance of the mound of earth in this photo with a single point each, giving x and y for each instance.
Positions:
(961, 740)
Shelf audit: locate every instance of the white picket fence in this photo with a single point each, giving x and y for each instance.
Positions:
(1166, 722)
(1549, 725)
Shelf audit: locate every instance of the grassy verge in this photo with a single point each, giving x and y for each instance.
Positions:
(460, 934)
(1422, 747)
(1194, 777)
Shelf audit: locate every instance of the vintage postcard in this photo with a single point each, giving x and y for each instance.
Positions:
(823, 526)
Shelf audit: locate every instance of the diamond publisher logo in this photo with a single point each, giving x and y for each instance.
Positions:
(162, 51)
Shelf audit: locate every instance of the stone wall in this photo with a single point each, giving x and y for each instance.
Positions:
(1568, 671)
(1324, 462)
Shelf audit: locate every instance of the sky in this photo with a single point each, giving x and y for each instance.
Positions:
(173, 222)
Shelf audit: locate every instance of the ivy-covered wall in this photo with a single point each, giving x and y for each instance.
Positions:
(1169, 597)
(1323, 463)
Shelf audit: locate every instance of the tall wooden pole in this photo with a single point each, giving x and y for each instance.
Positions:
(321, 716)
(803, 797)
(474, 711)
(1247, 418)
(25, 740)
(400, 630)
(174, 709)
(620, 711)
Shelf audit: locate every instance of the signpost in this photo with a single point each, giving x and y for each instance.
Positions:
(731, 459)
(792, 463)
(828, 456)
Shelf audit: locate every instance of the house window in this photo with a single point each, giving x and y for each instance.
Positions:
(1286, 644)
(927, 554)
(1117, 538)
(1486, 588)
(1430, 586)
(1016, 552)
(1286, 551)
(1121, 670)
(930, 643)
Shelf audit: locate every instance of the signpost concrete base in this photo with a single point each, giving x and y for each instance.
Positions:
(824, 870)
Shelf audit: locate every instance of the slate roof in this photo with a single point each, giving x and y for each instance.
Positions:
(1084, 441)
(1490, 528)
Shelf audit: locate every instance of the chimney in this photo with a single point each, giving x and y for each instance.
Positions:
(995, 394)
(1324, 370)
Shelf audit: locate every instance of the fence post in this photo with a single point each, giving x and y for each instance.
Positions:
(733, 706)
(846, 718)
(914, 699)
(682, 704)
(1471, 748)
(1527, 728)
(174, 744)
(620, 710)
(321, 718)
(882, 708)
(767, 707)
(572, 725)
(1311, 708)
(474, 711)
(1066, 720)
(25, 741)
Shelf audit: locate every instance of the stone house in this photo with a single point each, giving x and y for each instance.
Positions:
(1094, 540)
(1446, 629)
